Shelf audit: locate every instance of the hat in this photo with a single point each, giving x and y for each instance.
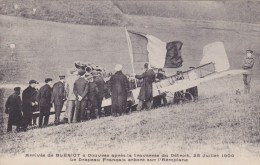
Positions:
(33, 82)
(88, 69)
(48, 80)
(118, 67)
(82, 72)
(95, 72)
(77, 64)
(89, 77)
(87, 74)
(72, 70)
(62, 76)
(146, 65)
(16, 89)
(160, 70)
(250, 51)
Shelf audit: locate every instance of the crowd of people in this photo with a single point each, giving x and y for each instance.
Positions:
(84, 89)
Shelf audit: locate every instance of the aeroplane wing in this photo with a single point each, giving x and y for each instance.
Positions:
(186, 83)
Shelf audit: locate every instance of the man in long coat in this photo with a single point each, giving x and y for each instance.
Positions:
(58, 97)
(29, 103)
(71, 98)
(13, 107)
(101, 85)
(80, 90)
(119, 89)
(146, 91)
(44, 100)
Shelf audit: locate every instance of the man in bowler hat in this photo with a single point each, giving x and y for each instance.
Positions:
(29, 103)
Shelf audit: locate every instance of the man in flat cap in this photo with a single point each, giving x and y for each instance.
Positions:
(119, 90)
(248, 66)
(146, 92)
(58, 97)
(80, 90)
(44, 100)
(29, 103)
(13, 107)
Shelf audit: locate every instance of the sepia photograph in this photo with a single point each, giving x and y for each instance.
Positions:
(129, 82)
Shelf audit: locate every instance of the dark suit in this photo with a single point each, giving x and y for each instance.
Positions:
(58, 98)
(44, 99)
(92, 99)
(28, 97)
(146, 91)
(101, 85)
(81, 89)
(13, 107)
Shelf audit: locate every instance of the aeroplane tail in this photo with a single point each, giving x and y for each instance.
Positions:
(215, 53)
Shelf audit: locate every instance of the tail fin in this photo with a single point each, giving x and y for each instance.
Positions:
(215, 53)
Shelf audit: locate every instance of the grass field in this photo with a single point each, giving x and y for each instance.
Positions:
(220, 122)
(238, 11)
(66, 11)
(114, 13)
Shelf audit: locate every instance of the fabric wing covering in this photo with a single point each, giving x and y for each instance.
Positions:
(215, 53)
(148, 48)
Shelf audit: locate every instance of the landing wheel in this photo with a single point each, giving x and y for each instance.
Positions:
(187, 97)
(181, 97)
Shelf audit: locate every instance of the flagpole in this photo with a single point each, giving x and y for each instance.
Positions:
(130, 52)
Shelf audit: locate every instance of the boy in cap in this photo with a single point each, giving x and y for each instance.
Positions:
(58, 97)
(29, 103)
(44, 100)
(248, 66)
(13, 107)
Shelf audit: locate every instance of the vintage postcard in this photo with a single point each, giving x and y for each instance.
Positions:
(129, 82)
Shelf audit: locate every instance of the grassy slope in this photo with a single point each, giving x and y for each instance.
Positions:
(112, 13)
(66, 11)
(239, 11)
(220, 122)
